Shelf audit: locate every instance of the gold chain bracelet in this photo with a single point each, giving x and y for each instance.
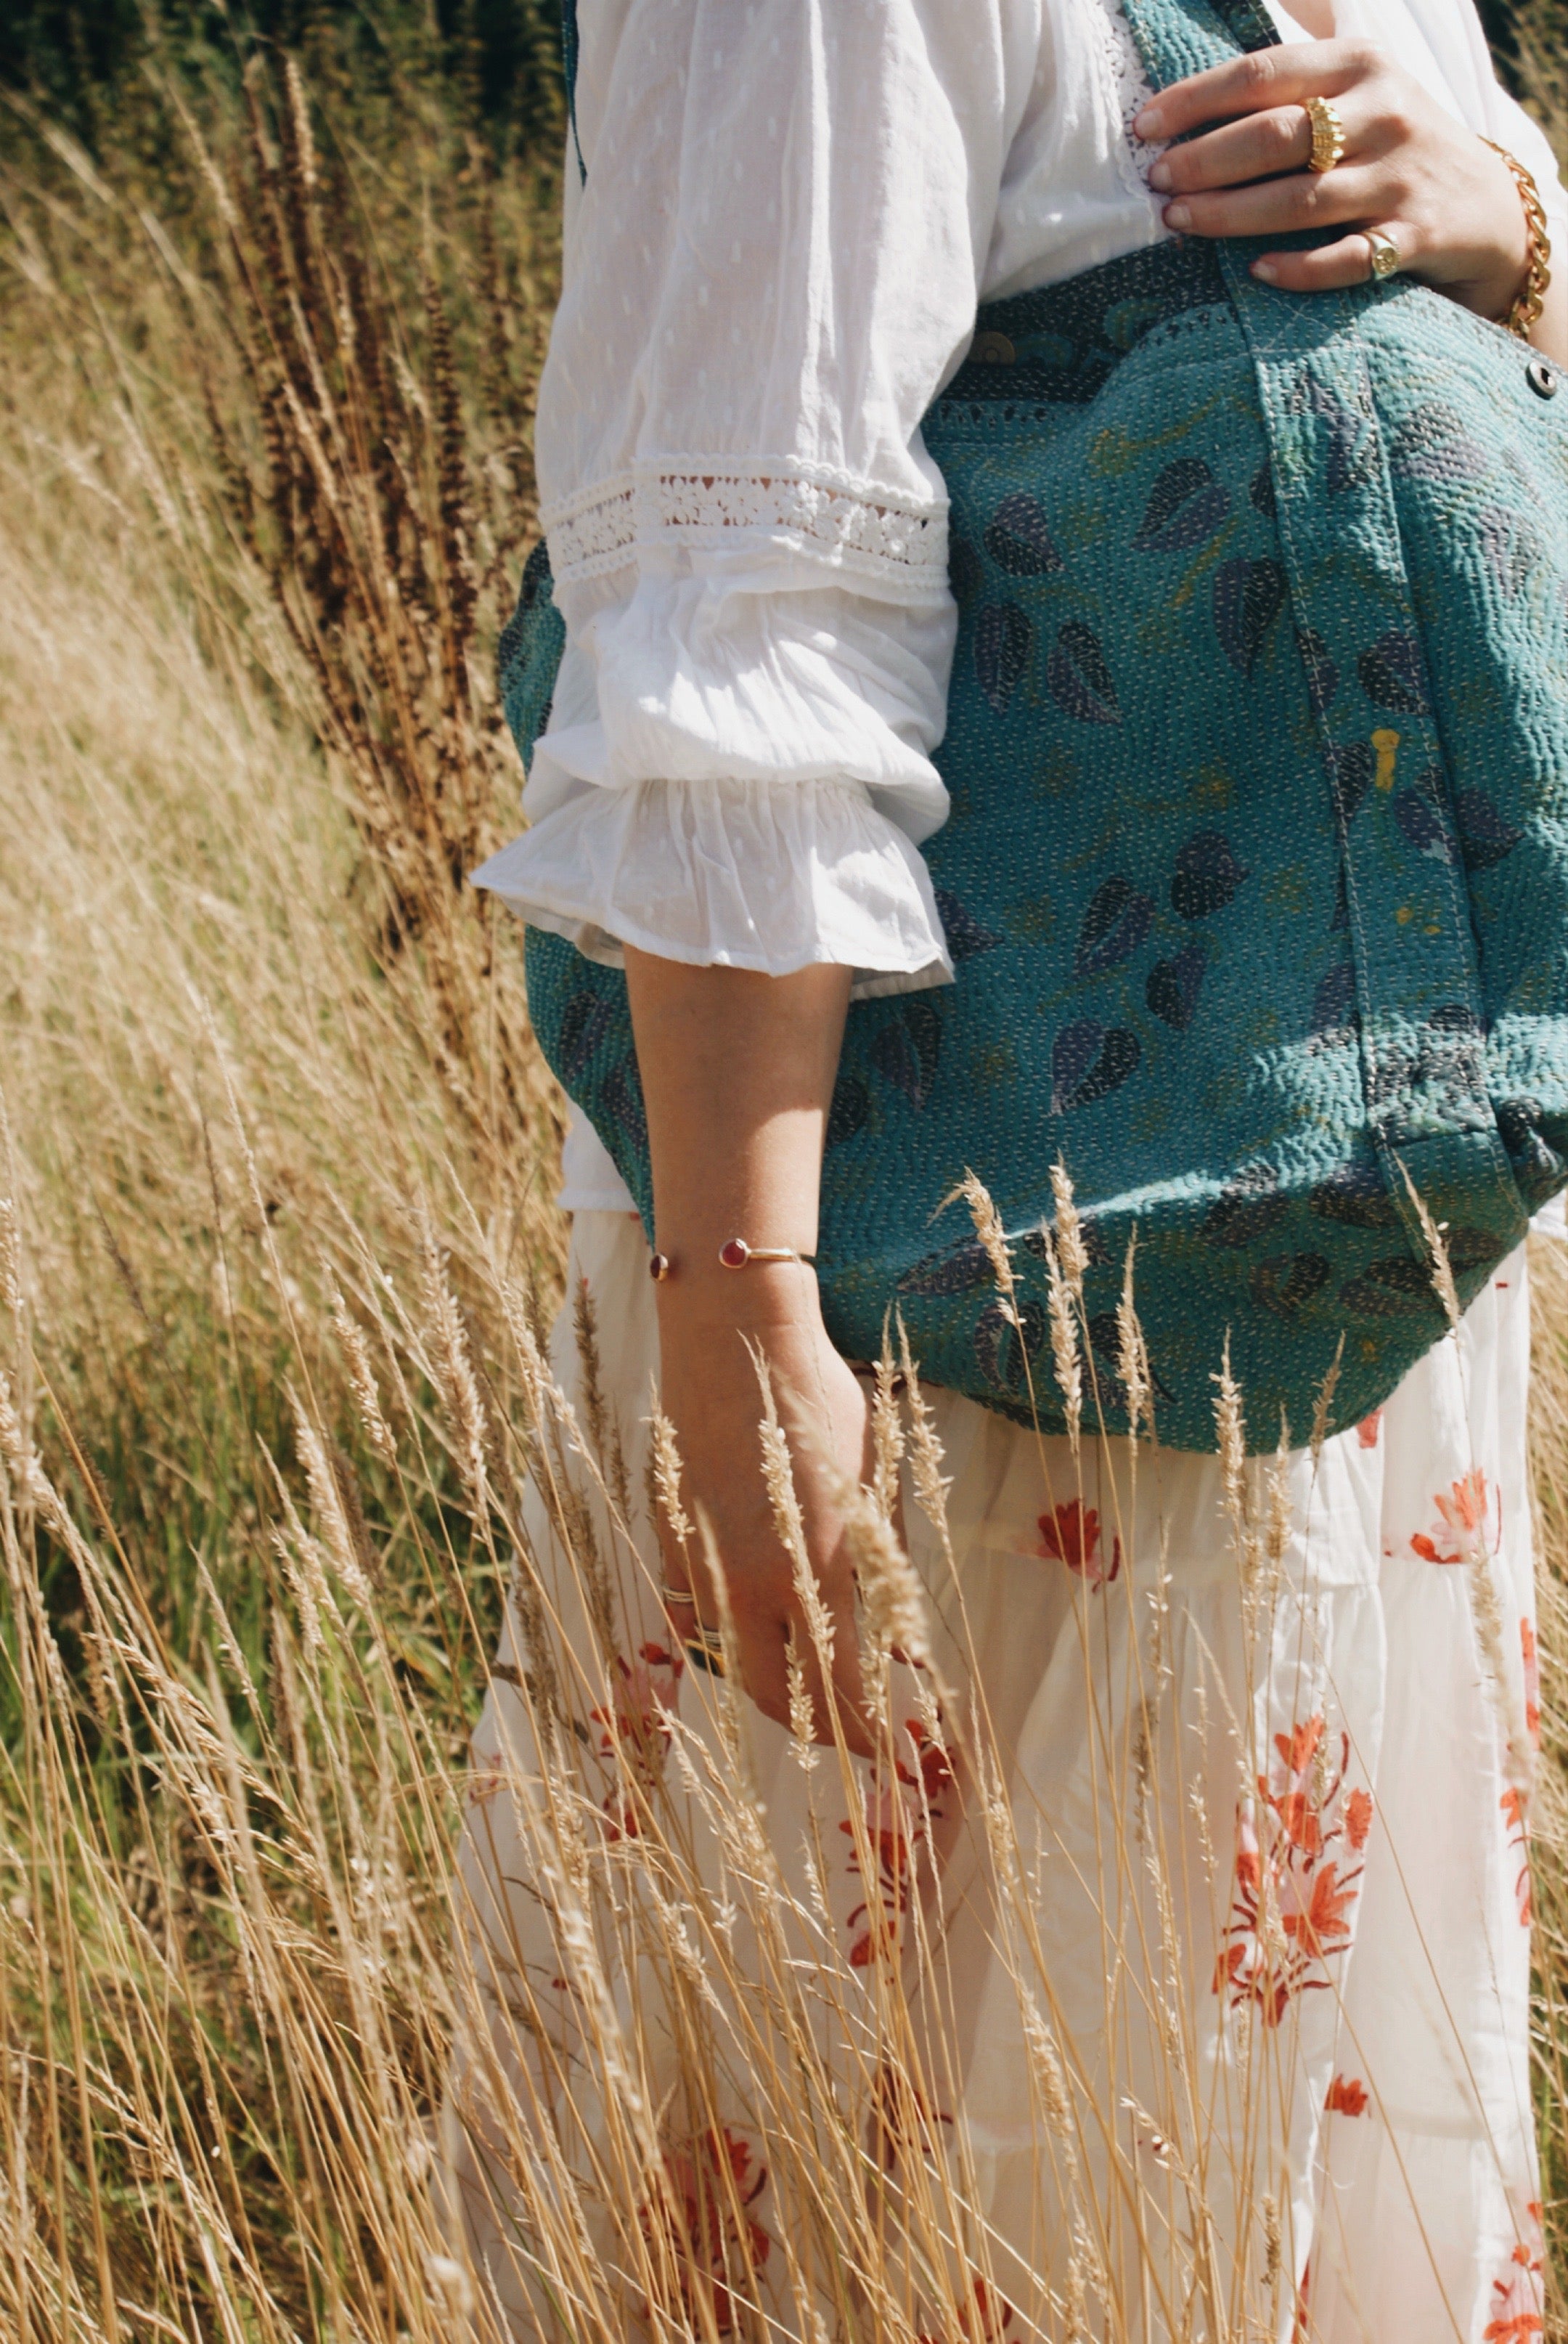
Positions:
(1538, 252)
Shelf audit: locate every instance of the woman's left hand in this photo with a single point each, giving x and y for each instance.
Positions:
(1442, 197)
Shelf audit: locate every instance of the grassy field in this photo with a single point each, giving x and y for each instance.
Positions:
(277, 1153)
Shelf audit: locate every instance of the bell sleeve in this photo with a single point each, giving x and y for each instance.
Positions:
(771, 265)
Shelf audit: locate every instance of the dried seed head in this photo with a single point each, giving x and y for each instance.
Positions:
(1069, 1230)
(1132, 1354)
(1065, 1357)
(664, 1470)
(1440, 1267)
(1325, 1401)
(987, 1225)
(362, 1381)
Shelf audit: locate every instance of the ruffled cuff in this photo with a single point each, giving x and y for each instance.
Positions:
(730, 874)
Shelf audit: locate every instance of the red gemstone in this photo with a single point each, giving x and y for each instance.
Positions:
(736, 1253)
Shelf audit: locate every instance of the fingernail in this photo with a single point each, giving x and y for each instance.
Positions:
(1267, 271)
(1159, 175)
(1149, 123)
(1178, 215)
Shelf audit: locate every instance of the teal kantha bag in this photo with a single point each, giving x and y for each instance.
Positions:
(1256, 876)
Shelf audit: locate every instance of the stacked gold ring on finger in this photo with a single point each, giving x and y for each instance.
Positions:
(1328, 134)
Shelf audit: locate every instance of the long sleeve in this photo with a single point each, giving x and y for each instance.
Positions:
(771, 267)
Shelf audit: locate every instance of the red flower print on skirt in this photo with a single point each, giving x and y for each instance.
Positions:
(1519, 2301)
(1513, 1805)
(1531, 1680)
(634, 1730)
(986, 2318)
(703, 2226)
(1459, 1532)
(1071, 1535)
(896, 1826)
(1367, 1429)
(1296, 1882)
(1347, 2097)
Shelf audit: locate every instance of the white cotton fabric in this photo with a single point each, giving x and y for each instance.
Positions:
(790, 212)
(1286, 1831)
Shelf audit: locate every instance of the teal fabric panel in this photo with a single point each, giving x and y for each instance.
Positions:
(1256, 876)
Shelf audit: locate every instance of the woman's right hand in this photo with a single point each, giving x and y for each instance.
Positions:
(711, 1321)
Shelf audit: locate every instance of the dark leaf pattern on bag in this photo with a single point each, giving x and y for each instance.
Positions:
(907, 1051)
(1391, 674)
(1114, 925)
(1172, 987)
(1285, 1281)
(966, 570)
(1433, 444)
(1206, 877)
(951, 1273)
(588, 1020)
(965, 935)
(1421, 824)
(1089, 1061)
(1018, 540)
(851, 1105)
(1484, 838)
(1002, 1348)
(1186, 506)
(1078, 678)
(1003, 640)
(1246, 1208)
(1356, 1195)
(1248, 598)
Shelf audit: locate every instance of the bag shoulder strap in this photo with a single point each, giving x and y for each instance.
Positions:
(1178, 38)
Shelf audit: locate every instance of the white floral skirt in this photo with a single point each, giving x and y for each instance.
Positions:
(1226, 2035)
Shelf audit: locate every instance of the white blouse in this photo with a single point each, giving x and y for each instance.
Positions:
(791, 209)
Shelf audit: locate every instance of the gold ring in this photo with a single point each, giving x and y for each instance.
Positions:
(1384, 252)
(1328, 134)
(706, 1650)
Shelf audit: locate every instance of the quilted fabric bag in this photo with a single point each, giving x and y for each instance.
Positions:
(1256, 878)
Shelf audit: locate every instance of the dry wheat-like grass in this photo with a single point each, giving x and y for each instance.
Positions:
(275, 1260)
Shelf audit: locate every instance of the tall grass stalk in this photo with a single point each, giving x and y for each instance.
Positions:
(280, 1434)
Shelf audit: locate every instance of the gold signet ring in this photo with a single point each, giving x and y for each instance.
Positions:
(1384, 253)
(1328, 134)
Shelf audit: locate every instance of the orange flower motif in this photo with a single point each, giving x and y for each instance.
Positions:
(1368, 1429)
(1291, 1878)
(895, 1813)
(1459, 1533)
(985, 2320)
(1513, 1805)
(1518, 2298)
(1531, 1680)
(1071, 1535)
(1347, 2097)
(634, 1730)
(703, 2220)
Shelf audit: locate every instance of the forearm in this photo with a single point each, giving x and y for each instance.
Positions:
(738, 1073)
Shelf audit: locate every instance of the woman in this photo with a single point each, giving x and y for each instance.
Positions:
(1270, 1889)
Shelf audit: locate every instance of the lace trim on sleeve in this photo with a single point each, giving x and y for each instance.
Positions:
(700, 502)
(1129, 88)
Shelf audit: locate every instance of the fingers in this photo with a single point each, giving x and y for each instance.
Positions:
(1326, 270)
(1282, 207)
(1254, 84)
(1256, 147)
